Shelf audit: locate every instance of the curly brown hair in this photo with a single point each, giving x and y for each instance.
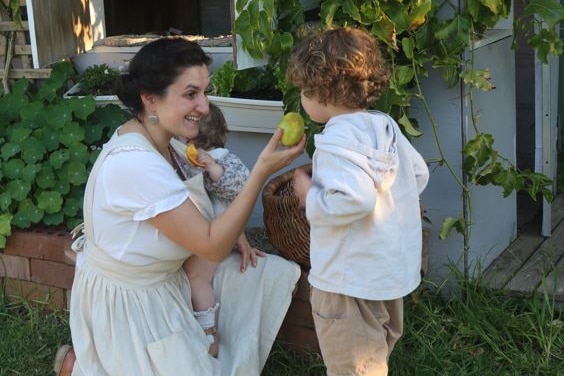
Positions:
(213, 130)
(341, 66)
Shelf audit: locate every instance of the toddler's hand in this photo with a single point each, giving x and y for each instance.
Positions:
(301, 183)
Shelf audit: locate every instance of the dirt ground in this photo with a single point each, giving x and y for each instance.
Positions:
(258, 239)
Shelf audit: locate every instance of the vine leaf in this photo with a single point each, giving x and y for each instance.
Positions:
(550, 11)
(449, 223)
(480, 79)
(352, 10)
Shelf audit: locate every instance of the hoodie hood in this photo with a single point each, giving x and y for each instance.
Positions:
(368, 139)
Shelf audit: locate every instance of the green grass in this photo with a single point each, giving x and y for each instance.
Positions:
(481, 332)
(29, 337)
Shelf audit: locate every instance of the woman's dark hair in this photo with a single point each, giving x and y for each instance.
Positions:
(155, 67)
(213, 130)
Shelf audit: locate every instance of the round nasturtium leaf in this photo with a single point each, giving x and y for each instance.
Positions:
(18, 189)
(13, 169)
(50, 201)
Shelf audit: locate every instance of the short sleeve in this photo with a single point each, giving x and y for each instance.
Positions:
(141, 183)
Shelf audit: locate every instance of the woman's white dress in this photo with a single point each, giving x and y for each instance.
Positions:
(131, 311)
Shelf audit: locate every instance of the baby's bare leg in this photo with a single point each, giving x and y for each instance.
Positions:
(200, 273)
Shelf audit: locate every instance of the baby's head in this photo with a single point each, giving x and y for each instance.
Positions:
(341, 67)
(213, 130)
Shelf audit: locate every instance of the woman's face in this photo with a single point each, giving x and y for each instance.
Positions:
(184, 103)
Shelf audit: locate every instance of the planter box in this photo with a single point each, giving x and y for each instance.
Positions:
(101, 100)
(250, 115)
(118, 57)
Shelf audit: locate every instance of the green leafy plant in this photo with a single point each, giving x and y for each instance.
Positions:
(47, 147)
(254, 83)
(98, 79)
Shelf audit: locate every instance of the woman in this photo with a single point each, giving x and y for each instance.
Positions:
(131, 311)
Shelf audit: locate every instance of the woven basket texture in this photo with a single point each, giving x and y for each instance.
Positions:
(285, 223)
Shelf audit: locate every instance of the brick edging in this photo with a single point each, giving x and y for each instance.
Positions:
(35, 267)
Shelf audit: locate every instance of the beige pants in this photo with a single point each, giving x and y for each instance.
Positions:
(356, 336)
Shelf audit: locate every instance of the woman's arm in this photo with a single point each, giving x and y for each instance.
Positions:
(214, 240)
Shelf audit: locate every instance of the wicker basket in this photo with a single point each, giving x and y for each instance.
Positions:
(286, 225)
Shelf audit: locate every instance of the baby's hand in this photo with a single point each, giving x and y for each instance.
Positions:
(205, 158)
(248, 252)
(213, 168)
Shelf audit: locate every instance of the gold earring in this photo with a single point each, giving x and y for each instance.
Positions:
(153, 119)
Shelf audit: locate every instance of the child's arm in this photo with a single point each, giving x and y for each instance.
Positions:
(214, 169)
(235, 174)
(301, 183)
(247, 252)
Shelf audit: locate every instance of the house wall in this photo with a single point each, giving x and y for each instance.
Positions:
(58, 29)
(494, 217)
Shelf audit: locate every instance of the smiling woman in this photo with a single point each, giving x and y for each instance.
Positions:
(146, 214)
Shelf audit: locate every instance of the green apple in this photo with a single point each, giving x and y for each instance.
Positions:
(292, 125)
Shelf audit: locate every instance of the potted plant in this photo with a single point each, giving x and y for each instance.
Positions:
(419, 38)
(98, 81)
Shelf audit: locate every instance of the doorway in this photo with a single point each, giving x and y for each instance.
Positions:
(185, 17)
(528, 210)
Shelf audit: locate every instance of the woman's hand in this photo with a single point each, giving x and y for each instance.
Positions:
(273, 158)
(248, 252)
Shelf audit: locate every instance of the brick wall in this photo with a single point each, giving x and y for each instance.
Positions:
(36, 267)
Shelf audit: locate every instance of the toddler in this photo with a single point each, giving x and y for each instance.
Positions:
(362, 202)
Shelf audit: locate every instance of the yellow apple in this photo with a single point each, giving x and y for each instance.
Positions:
(292, 125)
